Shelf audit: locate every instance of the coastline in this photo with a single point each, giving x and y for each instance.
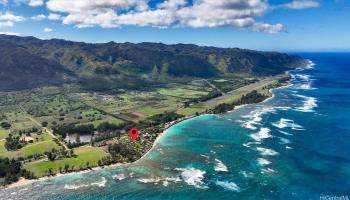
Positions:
(22, 181)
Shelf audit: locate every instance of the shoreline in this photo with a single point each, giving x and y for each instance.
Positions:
(23, 181)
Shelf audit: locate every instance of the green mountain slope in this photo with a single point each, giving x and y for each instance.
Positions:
(126, 65)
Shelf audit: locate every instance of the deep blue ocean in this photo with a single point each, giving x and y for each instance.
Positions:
(295, 145)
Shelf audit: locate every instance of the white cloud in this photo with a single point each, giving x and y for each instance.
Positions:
(53, 16)
(8, 19)
(78, 6)
(47, 30)
(11, 17)
(9, 33)
(171, 13)
(3, 2)
(6, 24)
(268, 28)
(172, 4)
(35, 3)
(301, 4)
(39, 17)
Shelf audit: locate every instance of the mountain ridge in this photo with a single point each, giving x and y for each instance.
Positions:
(123, 65)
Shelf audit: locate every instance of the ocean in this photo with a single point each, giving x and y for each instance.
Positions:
(295, 145)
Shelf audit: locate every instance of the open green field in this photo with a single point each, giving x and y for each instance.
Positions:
(28, 150)
(228, 97)
(182, 92)
(3, 133)
(84, 155)
(108, 119)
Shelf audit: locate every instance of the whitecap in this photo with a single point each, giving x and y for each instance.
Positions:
(287, 123)
(288, 147)
(285, 133)
(228, 185)
(246, 175)
(268, 170)
(249, 144)
(193, 177)
(263, 161)
(165, 183)
(310, 65)
(304, 86)
(284, 140)
(264, 133)
(101, 183)
(119, 177)
(284, 108)
(267, 152)
(173, 179)
(254, 117)
(149, 180)
(75, 186)
(219, 166)
(309, 103)
(205, 156)
(303, 77)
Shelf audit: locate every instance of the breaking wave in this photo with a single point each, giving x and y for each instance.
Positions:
(261, 135)
(309, 103)
(228, 185)
(193, 177)
(266, 152)
(101, 183)
(219, 166)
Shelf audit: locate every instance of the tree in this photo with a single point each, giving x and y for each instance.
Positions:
(51, 156)
(13, 143)
(164, 71)
(155, 73)
(71, 153)
(44, 124)
(5, 125)
(50, 171)
(77, 138)
(66, 168)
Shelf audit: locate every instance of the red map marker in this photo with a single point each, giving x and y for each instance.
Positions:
(134, 132)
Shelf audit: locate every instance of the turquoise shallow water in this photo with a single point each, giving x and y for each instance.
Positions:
(293, 146)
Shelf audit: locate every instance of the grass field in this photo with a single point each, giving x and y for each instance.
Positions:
(3, 133)
(39, 147)
(228, 97)
(182, 93)
(84, 155)
(109, 119)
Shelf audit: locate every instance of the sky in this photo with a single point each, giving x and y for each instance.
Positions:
(277, 25)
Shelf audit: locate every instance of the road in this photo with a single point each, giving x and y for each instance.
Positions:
(47, 130)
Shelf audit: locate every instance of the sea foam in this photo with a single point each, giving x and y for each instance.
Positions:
(228, 185)
(261, 135)
(119, 177)
(287, 123)
(266, 152)
(263, 162)
(254, 117)
(193, 177)
(101, 183)
(309, 103)
(219, 166)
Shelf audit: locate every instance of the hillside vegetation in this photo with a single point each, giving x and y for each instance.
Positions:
(28, 62)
